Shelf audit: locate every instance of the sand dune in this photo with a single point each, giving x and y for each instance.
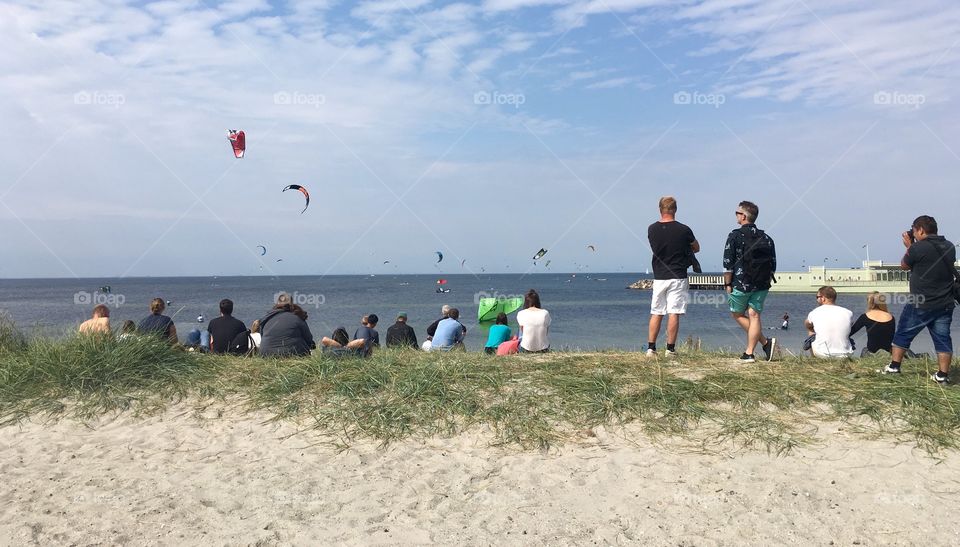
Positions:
(175, 479)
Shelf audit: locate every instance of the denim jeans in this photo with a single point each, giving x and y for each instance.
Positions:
(914, 320)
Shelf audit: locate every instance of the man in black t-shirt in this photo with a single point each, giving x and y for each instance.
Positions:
(930, 259)
(225, 328)
(673, 246)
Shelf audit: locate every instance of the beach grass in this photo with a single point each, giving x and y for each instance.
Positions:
(528, 401)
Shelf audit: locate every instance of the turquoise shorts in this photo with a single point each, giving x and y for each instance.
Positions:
(739, 300)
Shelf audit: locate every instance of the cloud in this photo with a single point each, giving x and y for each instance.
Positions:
(116, 116)
(612, 83)
(512, 5)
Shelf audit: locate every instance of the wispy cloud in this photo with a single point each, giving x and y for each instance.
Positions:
(398, 81)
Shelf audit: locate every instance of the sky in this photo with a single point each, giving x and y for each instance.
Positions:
(485, 130)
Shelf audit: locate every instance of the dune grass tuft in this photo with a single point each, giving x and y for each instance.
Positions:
(92, 375)
(530, 401)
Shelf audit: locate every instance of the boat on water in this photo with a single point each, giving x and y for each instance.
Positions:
(875, 275)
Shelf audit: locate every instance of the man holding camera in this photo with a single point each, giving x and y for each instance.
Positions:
(930, 259)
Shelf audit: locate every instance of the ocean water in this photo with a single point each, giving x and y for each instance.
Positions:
(589, 311)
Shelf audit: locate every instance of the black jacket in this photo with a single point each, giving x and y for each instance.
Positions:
(283, 333)
(401, 334)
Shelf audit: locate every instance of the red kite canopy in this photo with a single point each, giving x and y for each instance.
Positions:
(238, 141)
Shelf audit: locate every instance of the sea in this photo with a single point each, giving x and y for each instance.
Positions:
(593, 311)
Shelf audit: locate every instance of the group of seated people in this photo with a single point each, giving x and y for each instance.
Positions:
(283, 331)
(831, 327)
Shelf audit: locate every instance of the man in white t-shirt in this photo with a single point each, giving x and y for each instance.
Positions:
(829, 325)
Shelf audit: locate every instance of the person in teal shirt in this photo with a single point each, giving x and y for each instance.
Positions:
(499, 333)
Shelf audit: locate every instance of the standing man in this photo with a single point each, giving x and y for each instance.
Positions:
(749, 262)
(930, 259)
(673, 246)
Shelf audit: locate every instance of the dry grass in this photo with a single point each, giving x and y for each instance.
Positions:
(528, 401)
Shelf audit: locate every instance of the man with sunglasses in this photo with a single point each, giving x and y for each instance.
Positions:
(749, 262)
(930, 259)
(829, 327)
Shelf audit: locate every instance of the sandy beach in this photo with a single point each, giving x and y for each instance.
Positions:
(236, 479)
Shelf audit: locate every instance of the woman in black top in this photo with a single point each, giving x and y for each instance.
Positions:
(879, 323)
(158, 324)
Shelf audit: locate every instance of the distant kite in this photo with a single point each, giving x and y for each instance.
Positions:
(302, 191)
(238, 140)
(279, 260)
(592, 248)
(540, 254)
(439, 256)
(547, 265)
(462, 262)
(386, 261)
(263, 250)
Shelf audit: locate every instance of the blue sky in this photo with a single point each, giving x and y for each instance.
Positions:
(486, 130)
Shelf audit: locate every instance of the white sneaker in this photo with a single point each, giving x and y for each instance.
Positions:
(670, 354)
(890, 370)
(651, 353)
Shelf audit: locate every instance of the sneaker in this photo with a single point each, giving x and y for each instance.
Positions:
(670, 354)
(890, 370)
(651, 353)
(769, 348)
(747, 358)
(942, 380)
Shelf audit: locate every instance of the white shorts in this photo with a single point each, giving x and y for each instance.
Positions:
(669, 296)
